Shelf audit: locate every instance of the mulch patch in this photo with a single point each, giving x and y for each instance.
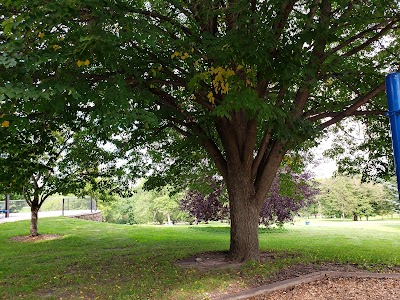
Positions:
(40, 237)
(220, 260)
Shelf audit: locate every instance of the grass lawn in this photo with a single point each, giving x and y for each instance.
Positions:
(107, 261)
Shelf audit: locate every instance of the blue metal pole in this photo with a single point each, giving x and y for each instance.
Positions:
(393, 95)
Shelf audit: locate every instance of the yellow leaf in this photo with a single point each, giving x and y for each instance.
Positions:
(41, 35)
(175, 54)
(80, 63)
(210, 97)
(230, 72)
(56, 47)
(86, 62)
(185, 55)
(239, 67)
(5, 123)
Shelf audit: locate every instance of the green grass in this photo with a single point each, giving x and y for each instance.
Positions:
(108, 261)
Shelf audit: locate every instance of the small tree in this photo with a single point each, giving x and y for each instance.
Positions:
(38, 164)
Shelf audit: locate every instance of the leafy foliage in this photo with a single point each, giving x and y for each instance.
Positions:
(210, 207)
(144, 207)
(289, 193)
(363, 148)
(349, 197)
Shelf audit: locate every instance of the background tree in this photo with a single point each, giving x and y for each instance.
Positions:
(346, 197)
(290, 193)
(362, 146)
(236, 83)
(211, 206)
(144, 207)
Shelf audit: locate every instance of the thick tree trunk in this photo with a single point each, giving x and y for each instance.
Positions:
(34, 221)
(244, 229)
(244, 215)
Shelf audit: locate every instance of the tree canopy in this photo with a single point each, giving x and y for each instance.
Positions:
(232, 85)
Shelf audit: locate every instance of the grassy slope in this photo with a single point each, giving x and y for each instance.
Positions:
(100, 260)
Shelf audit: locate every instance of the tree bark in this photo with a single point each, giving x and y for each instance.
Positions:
(244, 213)
(34, 220)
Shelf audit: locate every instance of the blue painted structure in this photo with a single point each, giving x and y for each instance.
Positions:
(393, 96)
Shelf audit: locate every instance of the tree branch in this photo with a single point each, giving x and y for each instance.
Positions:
(264, 179)
(215, 154)
(261, 151)
(370, 41)
(250, 142)
(317, 57)
(156, 15)
(228, 139)
(358, 102)
(281, 19)
(324, 115)
(356, 37)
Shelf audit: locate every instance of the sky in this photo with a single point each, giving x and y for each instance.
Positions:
(325, 167)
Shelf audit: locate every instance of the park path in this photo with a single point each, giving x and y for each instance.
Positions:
(42, 214)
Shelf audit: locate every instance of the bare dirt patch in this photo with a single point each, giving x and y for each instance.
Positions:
(40, 237)
(220, 260)
(207, 261)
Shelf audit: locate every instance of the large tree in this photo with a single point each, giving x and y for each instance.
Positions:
(234, 82)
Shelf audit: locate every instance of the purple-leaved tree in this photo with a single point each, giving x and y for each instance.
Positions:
(206, 207)
(289, 193)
